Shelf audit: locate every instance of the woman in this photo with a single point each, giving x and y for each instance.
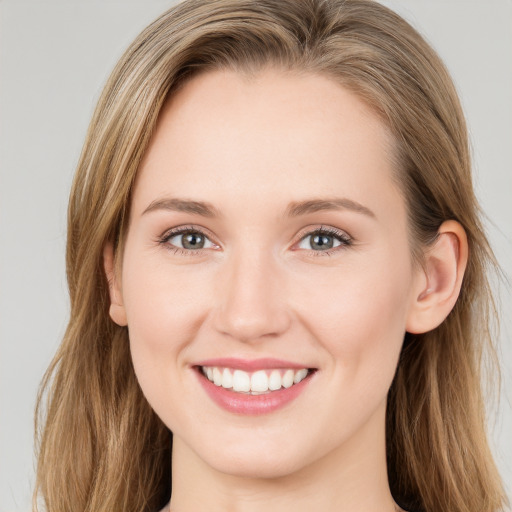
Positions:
(234, 144)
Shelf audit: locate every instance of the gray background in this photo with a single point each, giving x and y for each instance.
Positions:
(54, 58)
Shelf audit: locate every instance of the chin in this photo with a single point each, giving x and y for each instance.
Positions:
(257, 467)
(257, 460)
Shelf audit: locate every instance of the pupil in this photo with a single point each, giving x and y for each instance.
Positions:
(193, 241)
(322, 242)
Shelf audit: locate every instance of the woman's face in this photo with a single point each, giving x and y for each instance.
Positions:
(267, 241)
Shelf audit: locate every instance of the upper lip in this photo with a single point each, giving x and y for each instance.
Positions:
(251, 365)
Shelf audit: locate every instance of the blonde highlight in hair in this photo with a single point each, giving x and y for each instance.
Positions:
(101, 446)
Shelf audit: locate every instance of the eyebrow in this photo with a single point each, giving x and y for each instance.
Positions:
(183, 205)
(315, 205)
(294, 209)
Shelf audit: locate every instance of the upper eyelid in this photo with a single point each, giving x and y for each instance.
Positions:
(169, 233)
(330, 230)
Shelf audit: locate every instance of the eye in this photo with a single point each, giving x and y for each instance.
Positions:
(186, 240)
(324, 240)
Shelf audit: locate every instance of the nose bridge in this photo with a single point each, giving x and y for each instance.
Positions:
(252, 299)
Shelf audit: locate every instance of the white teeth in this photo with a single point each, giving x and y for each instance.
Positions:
(274, 381)
(288, 379)
(217, 377)
(261, 381)
(227, 379)
(241, 381)
(301, 374)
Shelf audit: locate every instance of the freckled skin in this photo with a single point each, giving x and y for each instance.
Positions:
(250, 147)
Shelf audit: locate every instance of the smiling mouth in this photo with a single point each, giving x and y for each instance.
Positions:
(260, 382)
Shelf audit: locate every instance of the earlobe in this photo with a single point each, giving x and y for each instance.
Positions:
(116, 311)
(439, 284)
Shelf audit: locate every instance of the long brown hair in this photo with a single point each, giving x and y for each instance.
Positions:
(101, 447)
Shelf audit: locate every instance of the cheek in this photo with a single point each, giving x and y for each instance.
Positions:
(164, 308)
(358, 312)
(359, 320)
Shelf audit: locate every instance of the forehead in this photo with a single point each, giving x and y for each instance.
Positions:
(274, 137)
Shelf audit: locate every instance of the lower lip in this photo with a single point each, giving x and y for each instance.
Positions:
(241, 403)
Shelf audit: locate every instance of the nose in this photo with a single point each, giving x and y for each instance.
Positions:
(251, 303)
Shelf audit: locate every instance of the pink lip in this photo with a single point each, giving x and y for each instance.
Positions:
(250, 365)
(241, 403)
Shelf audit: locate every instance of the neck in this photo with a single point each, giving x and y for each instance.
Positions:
(351, 478)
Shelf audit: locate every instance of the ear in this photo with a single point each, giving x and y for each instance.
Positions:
(117, 311)
(439, 281)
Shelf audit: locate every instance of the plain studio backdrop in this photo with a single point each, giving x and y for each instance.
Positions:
(55, 57)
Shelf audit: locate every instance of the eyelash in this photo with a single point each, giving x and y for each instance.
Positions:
(344, 239)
